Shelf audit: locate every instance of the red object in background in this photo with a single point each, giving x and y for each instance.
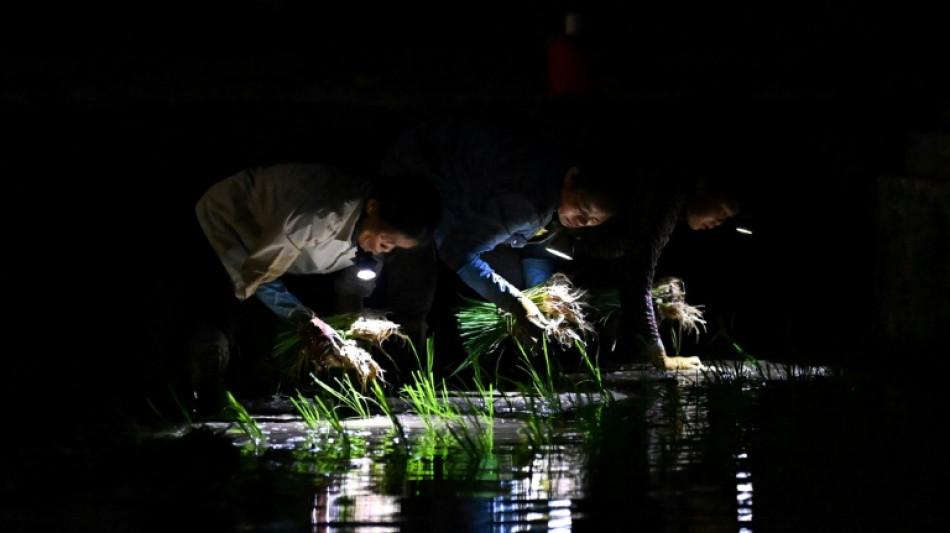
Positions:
(569, 70)
(569, 64)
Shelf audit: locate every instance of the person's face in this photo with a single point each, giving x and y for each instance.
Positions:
(577, 209)
(708, 212)
(376, 237)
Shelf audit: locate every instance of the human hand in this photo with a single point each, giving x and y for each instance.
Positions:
(533, 321)
(682, 363)
(320, 339)
(531, 312)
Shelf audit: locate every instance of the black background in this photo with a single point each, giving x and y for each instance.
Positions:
(119, 115)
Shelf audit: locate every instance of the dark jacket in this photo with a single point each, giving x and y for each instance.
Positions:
(628, 247)
(499, 186)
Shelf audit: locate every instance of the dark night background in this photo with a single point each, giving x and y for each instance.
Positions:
(118, 116)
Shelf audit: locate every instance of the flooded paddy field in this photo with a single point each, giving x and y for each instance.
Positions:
(733, 447)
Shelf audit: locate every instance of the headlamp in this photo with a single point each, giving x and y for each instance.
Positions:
(561, 244)
(365, 265)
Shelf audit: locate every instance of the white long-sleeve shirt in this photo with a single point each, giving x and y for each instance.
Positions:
(264, 222)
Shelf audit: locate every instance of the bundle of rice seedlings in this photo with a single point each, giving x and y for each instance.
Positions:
(351, 356)
(669, 303)
(565, 308)
(369, 327)
(484, 327)
(373, 327)
(669, 300)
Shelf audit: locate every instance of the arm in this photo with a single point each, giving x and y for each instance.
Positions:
(503, 220)
(496, 187)
(319, 337)
(631, 247)
(261, 220)
(275, 296)
(636, 289)
(636, 294)
(480, 276)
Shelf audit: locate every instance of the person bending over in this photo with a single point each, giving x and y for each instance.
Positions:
(500, 187)
(629, 249)
(266, 222)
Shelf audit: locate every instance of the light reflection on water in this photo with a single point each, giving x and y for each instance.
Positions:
(516, 487)
(669, 455)
(507, 493)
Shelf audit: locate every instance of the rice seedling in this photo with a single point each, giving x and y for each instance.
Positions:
(476, 432)
(347, 395)
(719, 370)
(669, 306)
(595, 376)
(669, 299)
(474, 436)
(427, 399)
(483, 329)
(447, 428)
(382, 400)
(565, 310)
(312, 412)
(315, 410)
(181, 407)
(361, 332)
(327, 405)
(551, 394)
(238, 414)
(542, 384)
(539, 428)
(486, 330)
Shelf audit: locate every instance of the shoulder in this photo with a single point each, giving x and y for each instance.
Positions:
(308, 183)
(298, 171)
(321, 173)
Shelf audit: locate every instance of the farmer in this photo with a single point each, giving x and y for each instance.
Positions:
(625, 253)
(267, 223)
(500, 187)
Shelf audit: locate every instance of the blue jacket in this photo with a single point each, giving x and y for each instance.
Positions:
(498, 187)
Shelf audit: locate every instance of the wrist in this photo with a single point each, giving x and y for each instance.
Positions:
(653, 351)
(301, 316)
